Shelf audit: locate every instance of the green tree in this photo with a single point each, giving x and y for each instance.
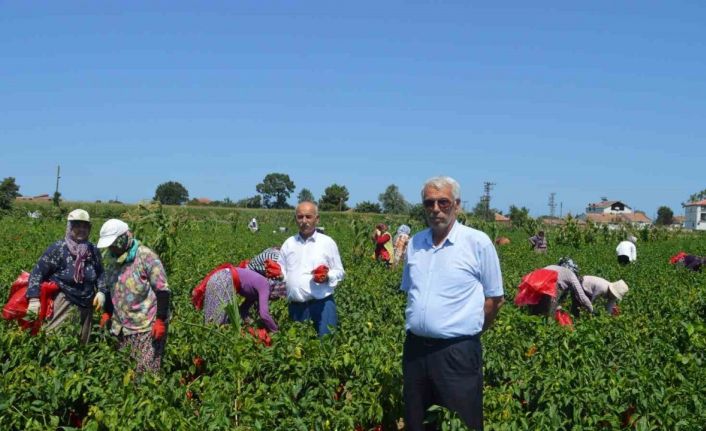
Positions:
(518, 216)
(698, 196)
(171, 193)
(665, 216)
(305, 195)
(392, 201)
(275, 190)
(9, 190)
(483, 212)
(334, 198)
(251, 202)
(368, 207)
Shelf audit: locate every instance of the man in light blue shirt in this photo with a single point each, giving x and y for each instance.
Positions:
(454, 291)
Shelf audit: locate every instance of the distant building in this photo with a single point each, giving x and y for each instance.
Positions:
(502, 220)
(637, 219)
(203, 201)
(40, 198)
(695, 215)
(608, 207)
(678, 221)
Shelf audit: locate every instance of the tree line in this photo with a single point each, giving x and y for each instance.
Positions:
(276, 188)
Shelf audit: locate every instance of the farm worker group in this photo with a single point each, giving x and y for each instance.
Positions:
(306, 269)
(388, 249)
(543, 290)
(451, 278)
(128, 282)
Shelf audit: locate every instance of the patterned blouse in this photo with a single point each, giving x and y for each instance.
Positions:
(278, 288)
(57, 265)
(132, 290)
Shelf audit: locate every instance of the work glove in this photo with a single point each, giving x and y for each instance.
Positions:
(272, 269)
(33, 308)
(105, 318)
(159, 329)
(320, 274)
(98, 301)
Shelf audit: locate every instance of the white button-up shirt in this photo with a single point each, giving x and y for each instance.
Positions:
(447, 284)
(299, 257)
(626, 248)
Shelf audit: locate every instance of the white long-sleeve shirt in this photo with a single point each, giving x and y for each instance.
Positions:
(299, 257)
(626, 248)
(596, 287)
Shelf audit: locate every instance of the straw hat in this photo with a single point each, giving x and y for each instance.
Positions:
(618, 289)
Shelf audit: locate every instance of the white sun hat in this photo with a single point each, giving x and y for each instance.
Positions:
(110, 230)
(618, 289)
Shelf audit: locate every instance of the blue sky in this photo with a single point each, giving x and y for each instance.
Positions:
(585, 100)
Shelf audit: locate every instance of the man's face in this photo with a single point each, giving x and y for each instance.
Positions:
(80, 230)
(440, 207)
(307, 218)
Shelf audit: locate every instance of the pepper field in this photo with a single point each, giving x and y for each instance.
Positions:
(641, 370)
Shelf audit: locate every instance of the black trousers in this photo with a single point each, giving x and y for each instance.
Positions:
(445, 372)
(623, 260)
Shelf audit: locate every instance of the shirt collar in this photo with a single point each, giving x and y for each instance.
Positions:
(311, 238)
(451, 237)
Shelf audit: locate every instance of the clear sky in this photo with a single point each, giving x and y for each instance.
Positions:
(585, 99)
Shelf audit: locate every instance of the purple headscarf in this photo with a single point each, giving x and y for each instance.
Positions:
(79, 250)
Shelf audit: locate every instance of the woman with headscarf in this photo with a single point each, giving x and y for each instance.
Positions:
(383, 244)
(545, 289)
(399, 243)
(137, 301)
(266, 264)
(74, 264)
(688, 261)
(219, 287)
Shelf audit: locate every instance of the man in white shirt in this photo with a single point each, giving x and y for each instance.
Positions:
(627, 252)
(312, 268)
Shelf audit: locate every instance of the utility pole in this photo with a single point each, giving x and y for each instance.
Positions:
(487, 187)
(561, 209)
(552, 204)
(56, 192)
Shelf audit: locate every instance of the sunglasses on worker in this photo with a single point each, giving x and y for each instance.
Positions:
(443, 203)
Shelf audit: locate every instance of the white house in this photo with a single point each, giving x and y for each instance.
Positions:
(608, 207)
(695, 213)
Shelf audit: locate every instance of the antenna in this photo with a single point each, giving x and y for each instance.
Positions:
(485, 199)
(552, 204)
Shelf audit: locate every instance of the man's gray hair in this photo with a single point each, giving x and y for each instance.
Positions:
(442, 181)
(316, 207)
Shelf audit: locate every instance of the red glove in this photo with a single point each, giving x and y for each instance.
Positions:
(272, 269)
(105, 318)
(244, 263)
(159, 329)
(320, 273)
(616, 311)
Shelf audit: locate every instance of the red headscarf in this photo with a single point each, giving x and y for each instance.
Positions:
(197, 295)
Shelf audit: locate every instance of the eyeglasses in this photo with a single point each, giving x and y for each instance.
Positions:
(443, 204)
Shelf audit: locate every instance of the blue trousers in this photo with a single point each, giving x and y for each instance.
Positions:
(322, 312)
